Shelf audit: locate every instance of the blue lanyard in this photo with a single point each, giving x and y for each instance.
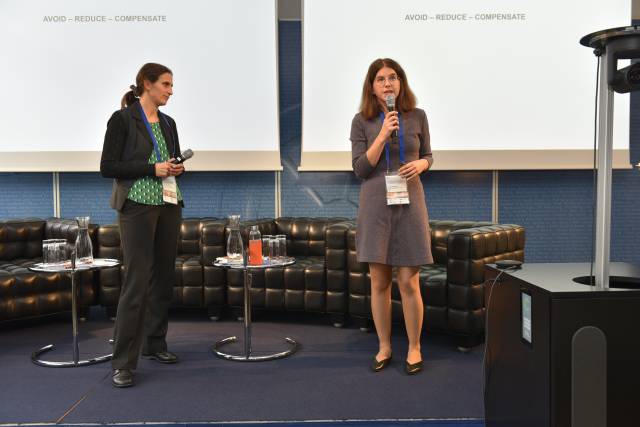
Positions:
(153, 137)
(400, 141)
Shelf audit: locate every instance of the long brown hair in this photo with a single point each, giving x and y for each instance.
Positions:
(369, 105)
(150, 72)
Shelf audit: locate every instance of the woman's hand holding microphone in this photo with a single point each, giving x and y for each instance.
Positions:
(391, 123)
(407, 170)
(165, 169)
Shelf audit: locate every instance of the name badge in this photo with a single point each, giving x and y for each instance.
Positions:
(397, 191)
(170, 190)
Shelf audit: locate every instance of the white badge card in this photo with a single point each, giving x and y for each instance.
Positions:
(397, 191)
(170, 190)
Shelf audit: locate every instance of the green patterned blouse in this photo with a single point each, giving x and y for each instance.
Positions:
(148, 190)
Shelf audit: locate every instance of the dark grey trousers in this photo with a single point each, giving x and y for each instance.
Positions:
(149, 239)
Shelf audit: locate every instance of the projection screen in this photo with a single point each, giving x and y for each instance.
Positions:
(66, 64)
(505, 84)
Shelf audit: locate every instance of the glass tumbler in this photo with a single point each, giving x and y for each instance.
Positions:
(265, 247)
(53, 251)
(274, 256)
(282, 245)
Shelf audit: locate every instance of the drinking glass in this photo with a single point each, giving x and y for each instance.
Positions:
(47, 251)
(265, 247)
(273, 249)
(53, 251)
(61, 250)
(282, 245)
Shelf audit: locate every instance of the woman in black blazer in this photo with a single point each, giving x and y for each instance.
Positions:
(139, 146)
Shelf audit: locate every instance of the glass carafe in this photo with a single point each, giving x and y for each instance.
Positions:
(84, 249)
(234, 241)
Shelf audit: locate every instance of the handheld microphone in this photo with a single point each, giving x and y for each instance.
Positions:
(391, 106)
(185, 155)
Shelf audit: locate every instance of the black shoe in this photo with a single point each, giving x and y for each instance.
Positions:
(379, 365)
(162, 357)
(122, 378)
(412, 368)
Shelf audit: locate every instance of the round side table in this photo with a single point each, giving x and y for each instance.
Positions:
(247, 356)
(72, 270)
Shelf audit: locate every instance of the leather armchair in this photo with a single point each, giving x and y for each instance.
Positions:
(315, 283)
(452, 287)
(25, 294)
(189, 289)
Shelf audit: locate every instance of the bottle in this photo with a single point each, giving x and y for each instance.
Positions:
(84, 248)
(255, 246)
(234, 241)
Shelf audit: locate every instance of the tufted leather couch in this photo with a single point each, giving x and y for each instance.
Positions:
(25, 294)
(325, 279)
(452, 287)
(194, 287)
(315, 283)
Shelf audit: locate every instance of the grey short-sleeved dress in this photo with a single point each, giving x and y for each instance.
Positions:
(393, 235)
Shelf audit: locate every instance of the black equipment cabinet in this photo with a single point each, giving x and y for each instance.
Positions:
(581, 366)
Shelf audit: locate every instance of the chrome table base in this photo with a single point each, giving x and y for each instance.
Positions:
(35, 356)
(247, 355)
(65, 364)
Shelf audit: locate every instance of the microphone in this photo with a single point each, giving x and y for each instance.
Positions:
(391, 106)
(185, 155)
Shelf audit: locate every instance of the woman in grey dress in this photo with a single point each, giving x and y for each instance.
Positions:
(395, 235)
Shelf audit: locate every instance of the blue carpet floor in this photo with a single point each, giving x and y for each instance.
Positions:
(386, 423)
(327, 379)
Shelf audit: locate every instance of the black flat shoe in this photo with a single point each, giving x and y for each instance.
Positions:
(162, 357)
(122, 378)
(379, 365)
(412, 368)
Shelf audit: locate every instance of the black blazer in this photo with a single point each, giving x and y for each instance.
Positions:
(127, 147)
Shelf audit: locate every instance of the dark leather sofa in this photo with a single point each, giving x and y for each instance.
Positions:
(326, 277)
(452, 288)
(25, 294)
(195, 286)
(310, 285)
(315, 283)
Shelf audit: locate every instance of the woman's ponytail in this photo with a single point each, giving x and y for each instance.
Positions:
(130, 97)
